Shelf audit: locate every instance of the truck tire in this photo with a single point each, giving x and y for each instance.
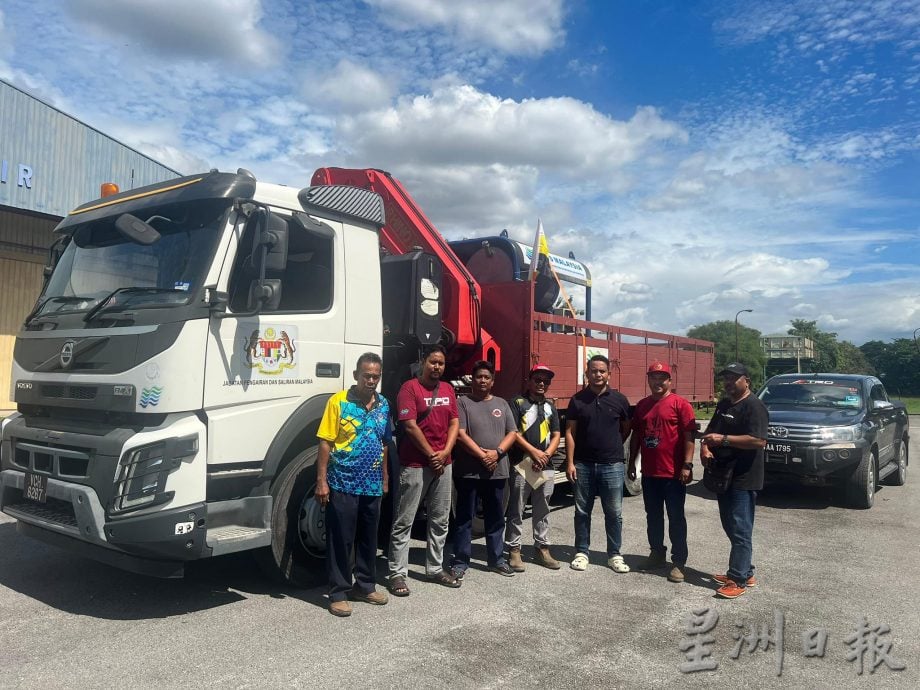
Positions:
(861, 485)
(297, 555)
(899, 476)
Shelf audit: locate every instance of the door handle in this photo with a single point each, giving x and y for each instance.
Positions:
(328, 370)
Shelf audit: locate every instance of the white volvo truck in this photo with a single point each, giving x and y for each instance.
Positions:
(171, 377)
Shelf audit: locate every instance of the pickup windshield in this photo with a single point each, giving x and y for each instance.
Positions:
(100, 263)
(810, 393)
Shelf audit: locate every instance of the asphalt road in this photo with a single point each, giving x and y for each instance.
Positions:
(68, 622)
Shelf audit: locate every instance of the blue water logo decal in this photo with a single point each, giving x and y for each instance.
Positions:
(150, 397)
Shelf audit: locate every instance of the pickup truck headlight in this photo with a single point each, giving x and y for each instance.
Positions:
(841, 433)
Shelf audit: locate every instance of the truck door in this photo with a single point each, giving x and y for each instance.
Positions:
(261, 368)
(885, 415)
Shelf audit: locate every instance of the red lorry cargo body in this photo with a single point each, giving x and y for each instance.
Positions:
(494, 318)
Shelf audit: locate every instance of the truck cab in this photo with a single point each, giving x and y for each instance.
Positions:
(179, 359)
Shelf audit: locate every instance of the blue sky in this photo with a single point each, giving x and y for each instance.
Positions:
(702, 157)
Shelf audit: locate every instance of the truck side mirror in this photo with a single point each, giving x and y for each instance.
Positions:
(264, 294)
(270, 238)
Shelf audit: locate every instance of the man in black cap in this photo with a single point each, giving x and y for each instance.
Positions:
(735, 438)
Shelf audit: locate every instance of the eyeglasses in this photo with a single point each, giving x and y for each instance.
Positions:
(545, 382)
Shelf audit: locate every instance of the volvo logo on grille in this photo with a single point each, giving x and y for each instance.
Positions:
(67, 354)
(778, 431)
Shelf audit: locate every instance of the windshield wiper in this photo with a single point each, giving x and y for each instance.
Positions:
(41, 305)
(122, 290)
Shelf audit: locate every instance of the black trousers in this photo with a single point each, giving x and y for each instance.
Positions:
(351, 527)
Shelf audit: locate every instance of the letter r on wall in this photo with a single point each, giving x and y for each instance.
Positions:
(25, 176)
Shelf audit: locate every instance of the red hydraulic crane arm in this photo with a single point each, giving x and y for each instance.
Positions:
(407, 228)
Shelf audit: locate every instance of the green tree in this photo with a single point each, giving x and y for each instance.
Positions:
(897, 364)
(722, 334)
(852, 360)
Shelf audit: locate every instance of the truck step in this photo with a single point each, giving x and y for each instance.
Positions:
(231, 538)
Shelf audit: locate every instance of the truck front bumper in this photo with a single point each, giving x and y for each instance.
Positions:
(816, 464)
(72, 517)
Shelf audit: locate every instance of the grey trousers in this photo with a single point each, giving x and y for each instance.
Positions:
(417, 484)
(539, 500)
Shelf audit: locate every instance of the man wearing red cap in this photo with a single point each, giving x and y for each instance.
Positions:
(662, 433)
(538, 437)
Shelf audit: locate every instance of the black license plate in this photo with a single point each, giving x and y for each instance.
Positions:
(778, 452)
(36, 488)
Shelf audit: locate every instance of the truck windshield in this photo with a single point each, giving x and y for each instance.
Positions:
(812, 393)
(102, 264)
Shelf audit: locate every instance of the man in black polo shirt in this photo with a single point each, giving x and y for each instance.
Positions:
(736, 437)
(597, 423)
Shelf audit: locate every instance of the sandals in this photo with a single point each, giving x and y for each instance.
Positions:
(445, 578)
(397, 587)
(617, 564)
(580, 562)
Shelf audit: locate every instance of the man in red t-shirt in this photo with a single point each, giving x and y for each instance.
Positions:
(426, 408)
(662, 432)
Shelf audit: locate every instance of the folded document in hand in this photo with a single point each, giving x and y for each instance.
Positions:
(533, 477)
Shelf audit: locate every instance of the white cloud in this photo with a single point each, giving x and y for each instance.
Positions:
(224, 30)
(518, 27)
(348, 87)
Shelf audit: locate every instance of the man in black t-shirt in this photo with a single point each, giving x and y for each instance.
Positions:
(596, 424)
(736, 436)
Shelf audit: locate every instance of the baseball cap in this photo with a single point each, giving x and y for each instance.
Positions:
(736, 368)
(541, 368)
(659, 368)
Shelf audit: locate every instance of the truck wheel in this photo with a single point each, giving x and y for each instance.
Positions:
(861, 487)
(297, 555)
(899, 476)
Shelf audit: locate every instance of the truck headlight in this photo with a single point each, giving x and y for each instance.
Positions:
(841, 433)
(143, 471)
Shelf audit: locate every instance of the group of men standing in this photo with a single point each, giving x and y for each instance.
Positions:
(481, 444)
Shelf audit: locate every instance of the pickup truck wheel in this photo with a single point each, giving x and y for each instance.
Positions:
(899, 476)
(861, 487)
(297, 553)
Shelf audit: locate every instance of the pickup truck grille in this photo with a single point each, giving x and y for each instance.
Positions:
(793, 432)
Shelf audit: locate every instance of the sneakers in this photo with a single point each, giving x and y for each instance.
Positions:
(730, 590)
(545, 558)
(655, 560)
(676, 574)
(514, 560)
(724, 579)
(617, 564)
(502, 569)
(376, 598)
(342, 609)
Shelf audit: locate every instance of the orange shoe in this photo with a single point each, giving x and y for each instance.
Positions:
(723, 579)
(730, 590)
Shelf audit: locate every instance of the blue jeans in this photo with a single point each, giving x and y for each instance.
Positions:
(603, 480)
(736, 509)
(661, 494)
(491, 492)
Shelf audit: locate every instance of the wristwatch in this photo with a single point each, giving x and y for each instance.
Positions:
(688, 465)
(725, 442)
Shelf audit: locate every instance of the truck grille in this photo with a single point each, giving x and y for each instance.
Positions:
(52, 459)
(69, 392)
(793, 432)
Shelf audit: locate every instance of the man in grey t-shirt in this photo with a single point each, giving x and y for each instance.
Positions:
(481, 466)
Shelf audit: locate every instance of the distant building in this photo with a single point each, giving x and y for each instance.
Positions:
(50, 163)
(786, 353)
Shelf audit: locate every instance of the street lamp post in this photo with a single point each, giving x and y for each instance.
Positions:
(741, 311)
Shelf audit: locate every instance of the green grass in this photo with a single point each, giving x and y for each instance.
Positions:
(913, 404)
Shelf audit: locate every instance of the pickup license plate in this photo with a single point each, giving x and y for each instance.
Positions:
(36, 487)
(778, 452)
